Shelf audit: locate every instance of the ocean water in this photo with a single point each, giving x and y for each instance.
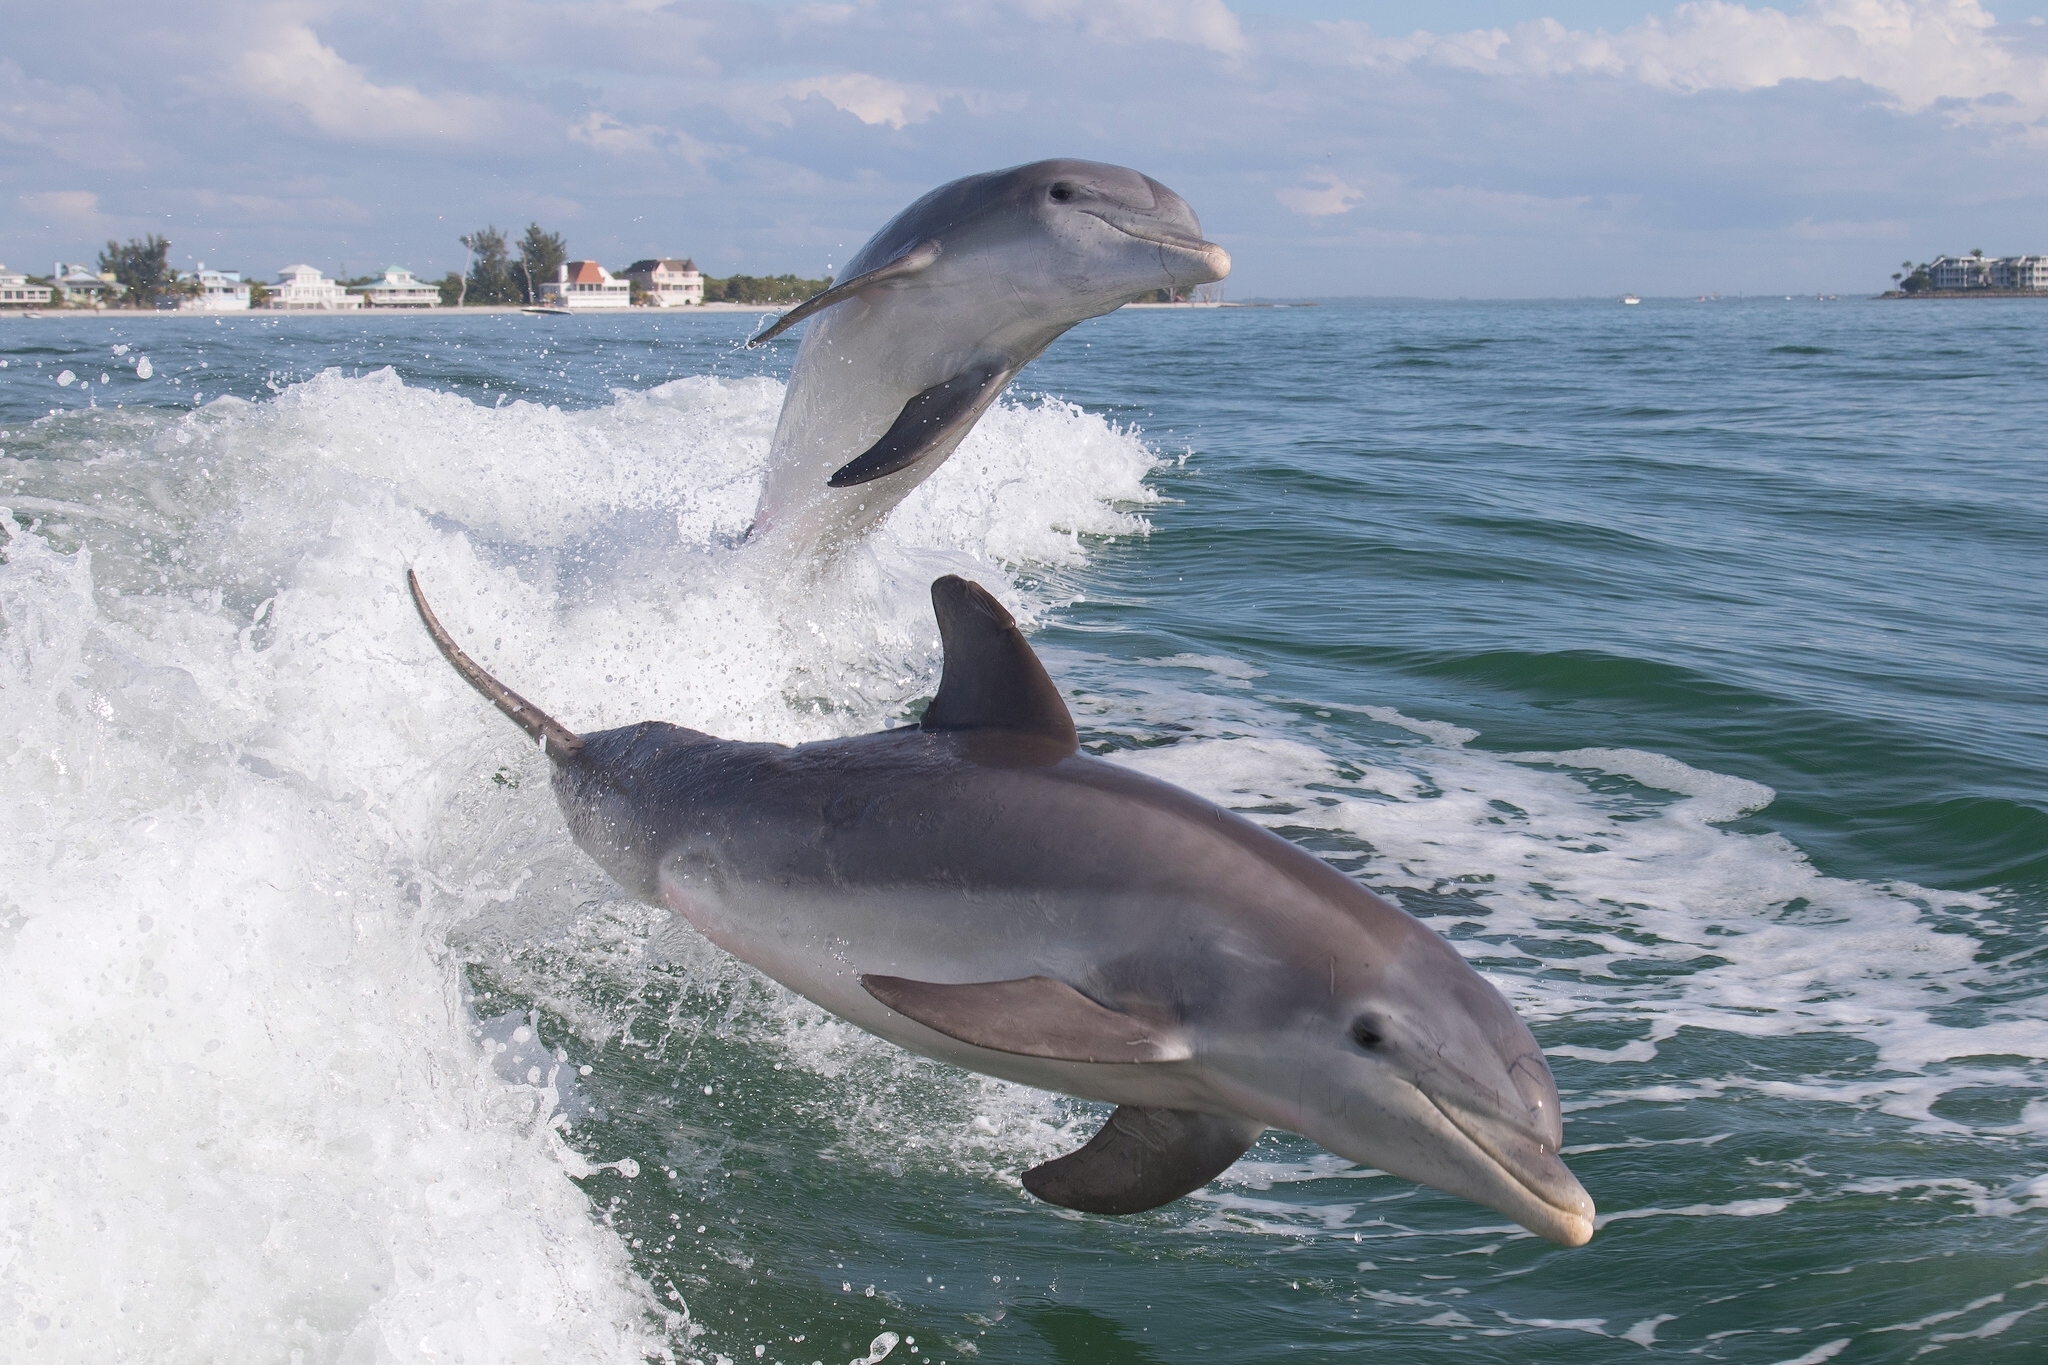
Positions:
(1684, 664)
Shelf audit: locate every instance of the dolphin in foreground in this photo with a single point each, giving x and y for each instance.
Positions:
(936, 315)
(978, 890)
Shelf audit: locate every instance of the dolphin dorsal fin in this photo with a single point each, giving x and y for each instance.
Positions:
(992, 680)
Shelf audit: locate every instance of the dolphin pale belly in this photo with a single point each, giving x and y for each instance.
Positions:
(936, 315)
(978, 890)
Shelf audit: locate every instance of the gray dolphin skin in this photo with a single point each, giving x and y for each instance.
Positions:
(977, 889)
(938, 312)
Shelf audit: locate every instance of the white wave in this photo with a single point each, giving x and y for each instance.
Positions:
(246, 805)
(1639, 909)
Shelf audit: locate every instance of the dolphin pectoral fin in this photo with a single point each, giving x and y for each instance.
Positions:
(944, 411)
(909, 263)
(992, 680)
(1143, 1158)
(1034, 1016)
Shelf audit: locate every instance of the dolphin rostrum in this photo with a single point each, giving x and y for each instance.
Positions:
(938, 312)
(977, 889)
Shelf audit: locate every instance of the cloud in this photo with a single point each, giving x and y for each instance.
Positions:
(870, 99)
(64, 206)
(1201, 23)
(607, 134)
(1334, 197)
(1919, 53)
(292, 67)
(1877, 230)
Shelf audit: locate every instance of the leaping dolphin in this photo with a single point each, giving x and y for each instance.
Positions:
(936, 315)
(978, 890)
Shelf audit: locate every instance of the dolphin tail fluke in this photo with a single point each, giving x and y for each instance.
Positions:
(560, 742)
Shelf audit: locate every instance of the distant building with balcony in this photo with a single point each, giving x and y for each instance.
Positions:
(398, 289)
(585, 284)
(1960, 272)
(82, 286)
(2020, 272)
(667, 284)
(17, 292)
(301, 288)
(2029, 273)
(218, 291)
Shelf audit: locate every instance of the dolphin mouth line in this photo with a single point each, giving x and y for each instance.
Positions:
(1577, 1220)
(1194, 245)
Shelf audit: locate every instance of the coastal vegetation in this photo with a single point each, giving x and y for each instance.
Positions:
(141, 266)
(762, 288)
(502, 272)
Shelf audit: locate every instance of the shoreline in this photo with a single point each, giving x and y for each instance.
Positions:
(1965, 294)
(489, 309)
(438, 311)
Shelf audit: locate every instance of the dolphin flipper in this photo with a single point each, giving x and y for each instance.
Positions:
(1034, 1016)
(1143, 1158)
(909, 263)
(945, 410)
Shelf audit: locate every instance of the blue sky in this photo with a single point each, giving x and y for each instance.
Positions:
(1481, 148)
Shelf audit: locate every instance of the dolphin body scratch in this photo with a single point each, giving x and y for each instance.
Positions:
(978, 890)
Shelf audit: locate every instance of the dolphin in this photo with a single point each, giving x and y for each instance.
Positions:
(977, 889)
(936, 315)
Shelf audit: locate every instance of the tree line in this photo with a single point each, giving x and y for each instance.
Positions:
(501, 271)
(497, 275)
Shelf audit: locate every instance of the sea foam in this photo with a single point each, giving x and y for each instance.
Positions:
(246, 805)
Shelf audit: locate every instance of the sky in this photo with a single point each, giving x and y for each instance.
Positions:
(1460, 148)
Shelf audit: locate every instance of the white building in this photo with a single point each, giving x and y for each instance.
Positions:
(398, 289)
(1989, 272)
(17, 292)
(667, 284)
(1960, 272)
(220, 291)
(2020, 272)
(81, 285)
(586, 284)
(301, 288)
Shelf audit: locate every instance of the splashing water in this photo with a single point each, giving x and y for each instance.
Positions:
(246, 805)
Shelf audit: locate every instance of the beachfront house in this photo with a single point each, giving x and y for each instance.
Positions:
(213, 291)
(585, 284)
(2028, 273)
(17, 292)
(301, 288)
(2020, 272)
(1960, 272)
(398, 289)
(80, 286)
(667, 284)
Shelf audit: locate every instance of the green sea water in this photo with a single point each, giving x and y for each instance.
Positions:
(1684, 664)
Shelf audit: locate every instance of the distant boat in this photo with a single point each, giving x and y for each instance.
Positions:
(558, 312)
(1630, 299)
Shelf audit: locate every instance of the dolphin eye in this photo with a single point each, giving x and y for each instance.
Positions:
(1061, 192)
(1365, 1031)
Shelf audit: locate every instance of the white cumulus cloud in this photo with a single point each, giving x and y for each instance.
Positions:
(1331, 196)
(1202, 23)
(1918, 52)
(870, 99)
(290, 66)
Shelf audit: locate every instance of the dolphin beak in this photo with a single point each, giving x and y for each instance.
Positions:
(1192, 260)
(1521, 1176)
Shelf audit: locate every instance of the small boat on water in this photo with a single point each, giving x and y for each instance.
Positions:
(1630, 299)
(557, 312)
